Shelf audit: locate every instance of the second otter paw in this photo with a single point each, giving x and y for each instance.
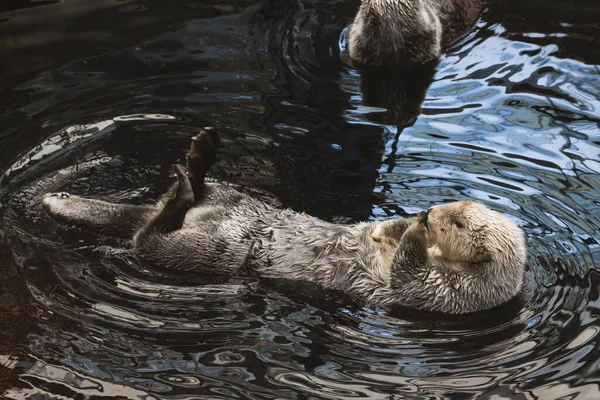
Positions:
(416, 231)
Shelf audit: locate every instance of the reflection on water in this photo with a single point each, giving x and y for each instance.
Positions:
(104, 104)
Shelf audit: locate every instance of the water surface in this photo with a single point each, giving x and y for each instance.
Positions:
(100, 98)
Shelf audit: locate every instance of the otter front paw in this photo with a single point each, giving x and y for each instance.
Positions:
(416, 232)
(422, 218)
(378, 234)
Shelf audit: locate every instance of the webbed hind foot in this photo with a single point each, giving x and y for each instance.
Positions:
(202, 155)
(172, 215)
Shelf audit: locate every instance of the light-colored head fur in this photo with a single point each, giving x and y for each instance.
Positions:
(407, 32)
(468, 236)
(475, 260)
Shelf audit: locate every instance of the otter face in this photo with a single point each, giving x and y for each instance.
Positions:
(469, 234)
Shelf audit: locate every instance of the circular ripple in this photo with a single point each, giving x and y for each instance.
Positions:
(510, 119)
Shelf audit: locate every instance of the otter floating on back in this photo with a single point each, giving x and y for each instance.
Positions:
(456, 258)
(408, 32)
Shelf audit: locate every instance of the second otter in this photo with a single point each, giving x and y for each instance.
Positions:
(408, 32)
(456, 258)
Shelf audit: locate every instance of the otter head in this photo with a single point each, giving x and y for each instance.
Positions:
(395, 32)
(474, 240)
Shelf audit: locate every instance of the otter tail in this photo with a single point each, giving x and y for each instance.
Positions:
(122, 220)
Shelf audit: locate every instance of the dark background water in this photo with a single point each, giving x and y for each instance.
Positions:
(100, 98)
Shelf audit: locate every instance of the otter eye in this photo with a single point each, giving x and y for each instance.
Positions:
(459, 224)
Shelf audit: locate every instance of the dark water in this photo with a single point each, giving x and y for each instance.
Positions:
(100, 97)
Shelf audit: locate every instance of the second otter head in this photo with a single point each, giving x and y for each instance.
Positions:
(395, 32)
(467, 234)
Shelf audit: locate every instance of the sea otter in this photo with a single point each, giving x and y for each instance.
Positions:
(455, 258)
(408, 32)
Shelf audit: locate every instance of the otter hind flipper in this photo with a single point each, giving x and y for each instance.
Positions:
(202, 155)
(172, 215)
(121, 220)
(163, 240)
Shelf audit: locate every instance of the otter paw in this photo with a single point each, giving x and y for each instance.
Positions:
(378, 234)
(422, 218)
(416, 231)
(419, 225)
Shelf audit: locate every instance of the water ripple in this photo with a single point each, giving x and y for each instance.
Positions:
(509, 117)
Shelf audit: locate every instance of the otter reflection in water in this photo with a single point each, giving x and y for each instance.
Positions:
(408, 32)
(398, 91)
(456, 258)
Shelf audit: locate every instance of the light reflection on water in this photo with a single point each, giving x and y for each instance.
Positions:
(508, 117)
